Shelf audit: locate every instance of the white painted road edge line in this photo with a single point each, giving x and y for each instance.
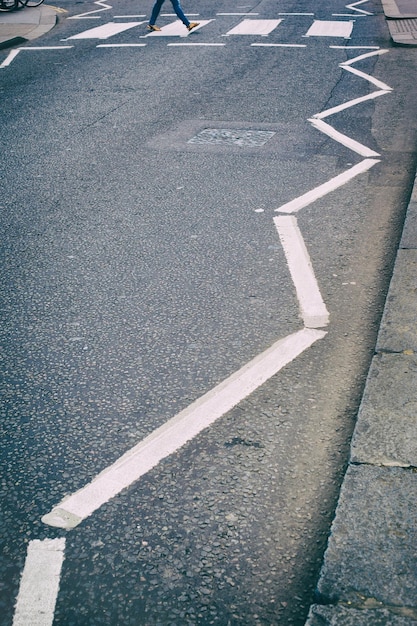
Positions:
(105, 6)
(180, 429)
(327, 187)
(313, 310)
(378, 52)
(355, 4)
(39, 584)
(352, 144)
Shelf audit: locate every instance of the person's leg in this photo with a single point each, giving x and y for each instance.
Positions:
(178, 10)
(155, 11)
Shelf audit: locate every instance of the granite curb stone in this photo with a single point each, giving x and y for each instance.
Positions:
(369, 572)
(386, 430)
(372, 552)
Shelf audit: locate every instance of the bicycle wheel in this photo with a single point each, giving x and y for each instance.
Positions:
(8, 5)
(30, 3)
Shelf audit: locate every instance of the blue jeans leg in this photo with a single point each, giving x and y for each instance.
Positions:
(178, 10)
(155, 11)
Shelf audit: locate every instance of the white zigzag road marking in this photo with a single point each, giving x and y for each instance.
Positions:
(354, 5)
(322, 190)
(299, 264)
(366, 55)
(351, 103)
(313, 310)
(180, 429)
(370, 79)
(90, 14)
(72, 510)
(343, 139)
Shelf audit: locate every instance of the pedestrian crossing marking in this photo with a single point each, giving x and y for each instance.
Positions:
(354, 5)
(323, 28)
(105, 31)
(254, 27)
(176, 29)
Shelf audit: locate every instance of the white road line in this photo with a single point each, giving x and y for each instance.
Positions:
(327, 187)
(167, 439)
(312, 308)
(29, 49)
(13, 53)
(237, 14)
(279, 45)
(350, 103)
(39, 584)
(254, 27)
(354, 47)
(89, 14)
(105, 31)
(370, 79)
(121, 45)
(321, 28)
(309, 14)
(10, 57)
(352, 144)
(355, 4)
(367, 55)
(126, 17)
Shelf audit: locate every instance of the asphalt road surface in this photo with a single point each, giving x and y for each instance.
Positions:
(198, 231)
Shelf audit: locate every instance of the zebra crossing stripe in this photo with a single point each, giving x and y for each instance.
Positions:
(254, 27)
(324, 28)
(105, 31)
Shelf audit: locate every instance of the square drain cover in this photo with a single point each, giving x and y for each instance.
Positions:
(236, 137)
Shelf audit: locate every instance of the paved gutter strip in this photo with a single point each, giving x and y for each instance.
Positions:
(369, 573)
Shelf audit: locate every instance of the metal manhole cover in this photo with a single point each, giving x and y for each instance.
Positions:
(236, 137)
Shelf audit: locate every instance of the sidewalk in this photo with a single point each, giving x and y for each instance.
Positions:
(369, 574)
(18, 27)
